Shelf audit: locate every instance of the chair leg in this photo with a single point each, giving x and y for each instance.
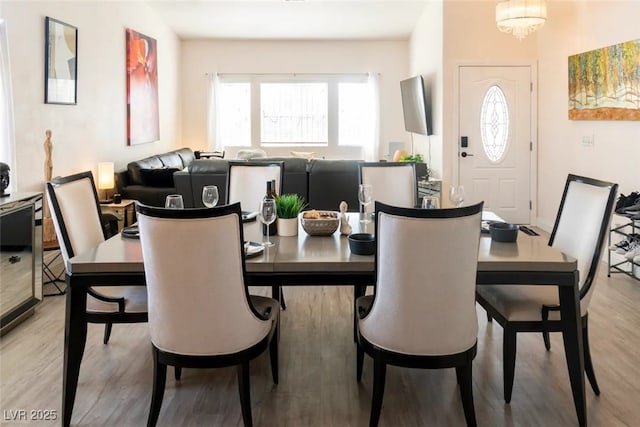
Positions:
(244, 387)
(465, 380)
(509, 360)
(283, 303)
(359, 362)
(545, 334)
(379, 376)
(177, 372)
(159, 380)
(107, 333)
(588, 365)
(273, 354)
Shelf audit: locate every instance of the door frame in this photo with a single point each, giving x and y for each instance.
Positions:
(454, 148)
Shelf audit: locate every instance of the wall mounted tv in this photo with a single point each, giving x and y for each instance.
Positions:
(415, 106)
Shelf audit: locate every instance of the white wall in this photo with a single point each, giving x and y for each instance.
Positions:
(425, 58)
(389, 58)
(471, 38)
(575, 27)
(94, 130)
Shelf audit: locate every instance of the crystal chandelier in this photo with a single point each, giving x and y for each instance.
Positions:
(520, 17)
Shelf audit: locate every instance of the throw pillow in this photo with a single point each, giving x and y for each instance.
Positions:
(303, 154)
(161, 177)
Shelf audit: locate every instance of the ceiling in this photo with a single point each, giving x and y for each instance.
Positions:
(290, 19)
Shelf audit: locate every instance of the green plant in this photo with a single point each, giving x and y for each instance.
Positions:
(412, 158)
(289, 205)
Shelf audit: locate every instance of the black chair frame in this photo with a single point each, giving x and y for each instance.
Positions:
(545, 326)
(462, 361)
(240, 359)
(107, 318)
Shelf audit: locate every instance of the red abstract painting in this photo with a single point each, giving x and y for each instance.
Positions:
(143, 123)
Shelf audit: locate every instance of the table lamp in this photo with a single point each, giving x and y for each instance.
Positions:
(105, 179)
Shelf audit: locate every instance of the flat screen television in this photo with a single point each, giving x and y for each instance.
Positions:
(416, 109)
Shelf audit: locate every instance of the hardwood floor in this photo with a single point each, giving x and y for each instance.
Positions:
(317, 373)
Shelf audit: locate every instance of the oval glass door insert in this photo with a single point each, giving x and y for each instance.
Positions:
(494, 124)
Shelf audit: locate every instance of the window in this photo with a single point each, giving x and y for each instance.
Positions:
(494, 124)
(234, 114)
(294, 113)
(296, 110)
(355, 124)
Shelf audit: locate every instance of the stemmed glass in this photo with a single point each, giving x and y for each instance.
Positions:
(364, 197)
(267, 215)
(210, 195)
(456, 195)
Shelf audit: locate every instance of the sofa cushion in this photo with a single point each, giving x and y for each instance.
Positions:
(333, 181)
(171, 160)
(135, 176)
(159, 177)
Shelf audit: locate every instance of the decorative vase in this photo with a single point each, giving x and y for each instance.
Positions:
(287, 227)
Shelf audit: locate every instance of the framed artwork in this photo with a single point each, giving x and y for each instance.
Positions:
(604, 84)
(60, 62)
(143, 123)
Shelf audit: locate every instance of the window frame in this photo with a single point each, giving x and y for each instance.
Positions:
(332, 81)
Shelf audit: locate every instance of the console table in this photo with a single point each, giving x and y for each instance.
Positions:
(21, 257)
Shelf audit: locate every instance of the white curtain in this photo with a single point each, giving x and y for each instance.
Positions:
(371, 150)
(7, 136)
(213, 134)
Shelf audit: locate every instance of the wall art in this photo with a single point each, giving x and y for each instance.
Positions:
(604, 84)
(143, 123)
(60, 62)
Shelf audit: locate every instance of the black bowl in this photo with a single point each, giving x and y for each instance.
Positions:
(503, 232)
(362, 244)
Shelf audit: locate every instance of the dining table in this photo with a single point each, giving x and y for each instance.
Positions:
(306, 260)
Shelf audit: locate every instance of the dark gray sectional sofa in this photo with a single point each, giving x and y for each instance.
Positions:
(150, 180)
(322, 183)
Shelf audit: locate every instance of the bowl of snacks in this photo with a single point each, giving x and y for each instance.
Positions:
(319, 223)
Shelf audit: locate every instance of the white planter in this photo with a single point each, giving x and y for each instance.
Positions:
(287, 227)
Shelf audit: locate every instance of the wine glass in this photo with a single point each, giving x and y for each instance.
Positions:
(430, 202)
(210, 195)
(267, 215)
(174, 201)
(364, 197)
(456, 195)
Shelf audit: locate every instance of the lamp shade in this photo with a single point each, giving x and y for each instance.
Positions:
(520, 17)
(105, 176)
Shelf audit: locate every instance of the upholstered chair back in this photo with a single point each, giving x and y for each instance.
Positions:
(247, 182)
(391, 183)
(581, 228)
(426, 264)
(76, 215)
(194, 266)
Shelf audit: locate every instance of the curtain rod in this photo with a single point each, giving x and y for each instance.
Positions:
(288, 74)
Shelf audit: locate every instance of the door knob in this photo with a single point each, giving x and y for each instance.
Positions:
(465, 154)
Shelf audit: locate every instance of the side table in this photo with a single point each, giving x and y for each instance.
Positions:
(126, 211)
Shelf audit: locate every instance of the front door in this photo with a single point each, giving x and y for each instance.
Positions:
(495, 139)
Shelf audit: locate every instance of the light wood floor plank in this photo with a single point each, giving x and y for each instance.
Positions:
(317, 373)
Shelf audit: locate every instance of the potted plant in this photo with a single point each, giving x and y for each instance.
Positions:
(288, 207)
(422, 170)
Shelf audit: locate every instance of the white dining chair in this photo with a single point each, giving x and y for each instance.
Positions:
(392, 183)
(580, 231)
(200, 312)
(77, 218)
(421, 291)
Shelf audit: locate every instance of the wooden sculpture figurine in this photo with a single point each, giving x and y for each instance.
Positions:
(48, 231)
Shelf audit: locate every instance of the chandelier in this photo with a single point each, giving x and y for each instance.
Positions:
(520, 17)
